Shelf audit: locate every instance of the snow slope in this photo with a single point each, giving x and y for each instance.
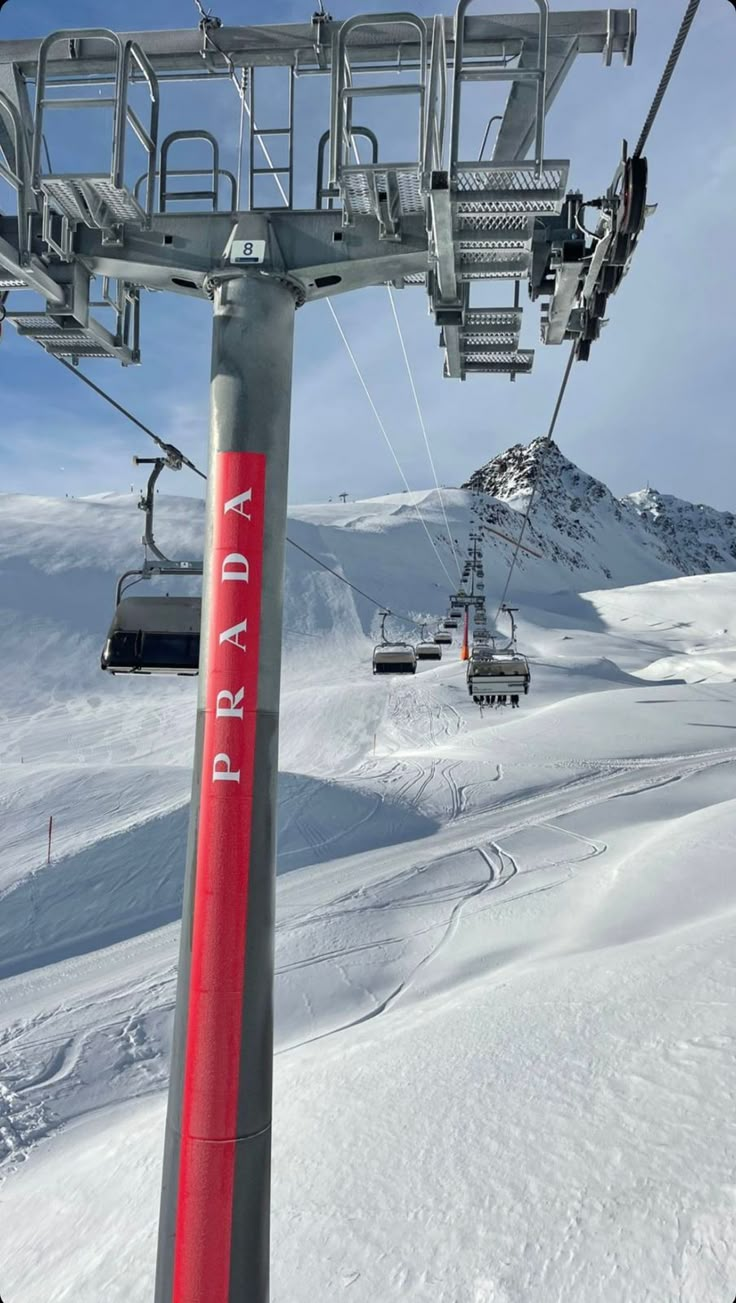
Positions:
(505, 978)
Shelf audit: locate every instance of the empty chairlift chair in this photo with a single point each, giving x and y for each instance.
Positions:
(154, 635)
(159, 634)
(443, 638)
(394, 658)
(428, 651)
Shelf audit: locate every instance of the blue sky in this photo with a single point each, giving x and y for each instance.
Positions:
(654, 404)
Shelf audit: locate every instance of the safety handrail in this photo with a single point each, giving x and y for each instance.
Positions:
(329, 192)
(343, 91)
(127, 54)
(436, 102)
(126, 115)
(214, 171)
(538, 74)
(195, 194)
(42, 102)
(149, 569)
(12, 174)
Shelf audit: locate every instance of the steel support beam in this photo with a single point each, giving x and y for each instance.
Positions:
(214, 1230)
(180, 251)
(450, 340)
(33, 273)
(443, 237)
(516, 133)
(486, 36)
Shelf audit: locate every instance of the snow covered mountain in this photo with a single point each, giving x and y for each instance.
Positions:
(504, 946)
(578, 521)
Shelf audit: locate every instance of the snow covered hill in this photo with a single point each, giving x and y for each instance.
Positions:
(505, 981)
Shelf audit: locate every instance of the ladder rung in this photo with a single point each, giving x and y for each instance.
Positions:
(269, 171)
(189, 194)
(479, 72)
(357, 92)
(105, 103)
(272, 131)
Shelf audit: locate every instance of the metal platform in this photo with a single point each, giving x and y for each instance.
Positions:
(72, 340)
(509, 188)
(435, 218)
(495, 362)
(361, 188)
(91, 200)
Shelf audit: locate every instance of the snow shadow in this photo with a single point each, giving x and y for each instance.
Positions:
(135, 877)
(567, 607)
(320, 821)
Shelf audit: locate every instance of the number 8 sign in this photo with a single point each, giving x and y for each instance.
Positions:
(247, 251)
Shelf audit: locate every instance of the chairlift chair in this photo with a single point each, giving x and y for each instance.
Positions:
(154, 635)
(428, 651)
(443, 638)
(492, 672)
(498, 677)
(449, 624)
(393, 657)
(160, 634)
(396, 658)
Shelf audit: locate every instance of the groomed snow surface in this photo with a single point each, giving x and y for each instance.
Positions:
(506, 970)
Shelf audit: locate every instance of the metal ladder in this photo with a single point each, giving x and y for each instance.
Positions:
(483, 217)
(94, 199)
(258, 137)
(68, 330)
(386, 191)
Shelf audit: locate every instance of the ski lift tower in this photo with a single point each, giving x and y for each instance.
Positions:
(87, 241)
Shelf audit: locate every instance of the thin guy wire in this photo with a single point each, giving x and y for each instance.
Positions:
(538, 477)
(356, 156)
(241, 137)
(675, 53)
(384, 432)
(421, 423)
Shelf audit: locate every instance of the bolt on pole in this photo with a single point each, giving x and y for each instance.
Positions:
(215, 1205)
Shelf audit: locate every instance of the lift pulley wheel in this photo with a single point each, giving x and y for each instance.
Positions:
(633, 196)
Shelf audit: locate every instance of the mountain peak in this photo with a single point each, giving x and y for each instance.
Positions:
(583, 516)
(516, 470)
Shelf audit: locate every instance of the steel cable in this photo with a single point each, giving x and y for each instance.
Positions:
(675, 53)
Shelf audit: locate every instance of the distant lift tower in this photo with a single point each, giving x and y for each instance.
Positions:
(84, 239)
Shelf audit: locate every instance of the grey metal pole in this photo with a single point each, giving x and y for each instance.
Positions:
(215, 1206)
